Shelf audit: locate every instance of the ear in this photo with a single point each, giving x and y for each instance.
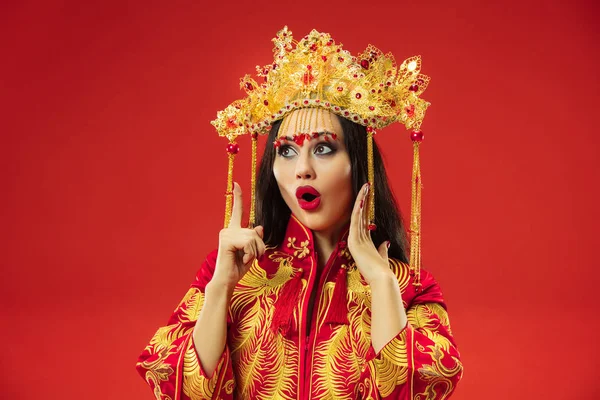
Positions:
(383, 250)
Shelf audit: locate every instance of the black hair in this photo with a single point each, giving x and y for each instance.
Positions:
(273, 213)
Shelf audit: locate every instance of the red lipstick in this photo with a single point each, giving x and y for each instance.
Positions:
(308, 197)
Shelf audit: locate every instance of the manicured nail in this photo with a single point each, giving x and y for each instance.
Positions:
(388, 244)
(361, 203)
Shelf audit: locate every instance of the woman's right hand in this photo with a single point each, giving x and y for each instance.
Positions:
(238, 247)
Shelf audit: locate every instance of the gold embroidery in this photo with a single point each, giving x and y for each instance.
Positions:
(438, 376)
(301, 251)
(335, 367)
(158, 371)
(190, 306)
(265, 364)
(229, 385)
(195, 385)
(392, 365)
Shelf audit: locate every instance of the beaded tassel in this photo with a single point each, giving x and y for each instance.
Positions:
(283, 316)
(370, 133)
(253, 182)
(415, 218)
(232, 150)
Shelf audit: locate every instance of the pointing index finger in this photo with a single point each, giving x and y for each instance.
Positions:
(236, 212)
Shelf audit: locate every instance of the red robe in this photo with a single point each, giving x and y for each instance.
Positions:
(264, 359)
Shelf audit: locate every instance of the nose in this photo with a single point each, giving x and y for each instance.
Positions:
(304, 167)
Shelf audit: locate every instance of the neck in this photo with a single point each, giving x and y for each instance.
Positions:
(326, 241)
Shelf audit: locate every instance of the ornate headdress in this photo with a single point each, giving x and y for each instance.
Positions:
(315, 72)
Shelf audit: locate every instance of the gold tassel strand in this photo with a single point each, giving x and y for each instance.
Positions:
(415, 213)
(232, 150)
(253, 182)
(371, 173)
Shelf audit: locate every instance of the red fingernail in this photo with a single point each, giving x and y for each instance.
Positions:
(361, 203)
(388, 244)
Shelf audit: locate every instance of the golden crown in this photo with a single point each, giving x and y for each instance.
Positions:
(369, 89)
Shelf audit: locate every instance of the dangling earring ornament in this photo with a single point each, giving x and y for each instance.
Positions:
(415, 214)
(232, 149)
(371, 176)
(253, 182)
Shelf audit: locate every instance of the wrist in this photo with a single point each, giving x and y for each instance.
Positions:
(218, 289)
(383, 279)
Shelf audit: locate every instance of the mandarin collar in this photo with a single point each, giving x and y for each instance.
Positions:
(299, 240)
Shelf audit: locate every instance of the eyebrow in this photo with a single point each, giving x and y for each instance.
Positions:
(321, 133)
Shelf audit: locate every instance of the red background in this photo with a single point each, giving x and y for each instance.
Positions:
(113, 178)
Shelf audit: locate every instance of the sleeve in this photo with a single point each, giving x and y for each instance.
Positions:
(170, 364)
(422, 361)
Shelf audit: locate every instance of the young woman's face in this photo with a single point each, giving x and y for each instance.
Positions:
(314, 176)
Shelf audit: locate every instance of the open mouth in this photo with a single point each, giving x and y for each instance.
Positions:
(308, 197)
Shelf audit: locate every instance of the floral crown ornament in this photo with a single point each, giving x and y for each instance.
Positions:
(316, 72)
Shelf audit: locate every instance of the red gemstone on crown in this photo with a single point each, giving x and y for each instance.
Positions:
(364, 64)
(266, 102)
(339, 88)
(358, 95)
(307, 78)
(340, 59)
(416, 136)
(413, 88)
(233, 148)
(371, 108)
(249, 86)
(324, 58)
(309, 67)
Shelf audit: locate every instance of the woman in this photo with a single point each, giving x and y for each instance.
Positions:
(313, 302)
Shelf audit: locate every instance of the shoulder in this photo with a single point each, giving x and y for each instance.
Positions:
(206, 270)
(430, 288)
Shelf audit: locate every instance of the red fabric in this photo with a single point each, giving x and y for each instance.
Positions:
(313, 359)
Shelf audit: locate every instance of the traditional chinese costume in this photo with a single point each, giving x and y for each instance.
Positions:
(318, 358)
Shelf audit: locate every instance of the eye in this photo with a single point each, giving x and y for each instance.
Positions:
(286, 151)
(323, 149)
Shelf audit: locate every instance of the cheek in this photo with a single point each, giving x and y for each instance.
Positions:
(282, 177)
(341, 178)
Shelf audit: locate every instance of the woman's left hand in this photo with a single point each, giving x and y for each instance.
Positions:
(372, 263)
